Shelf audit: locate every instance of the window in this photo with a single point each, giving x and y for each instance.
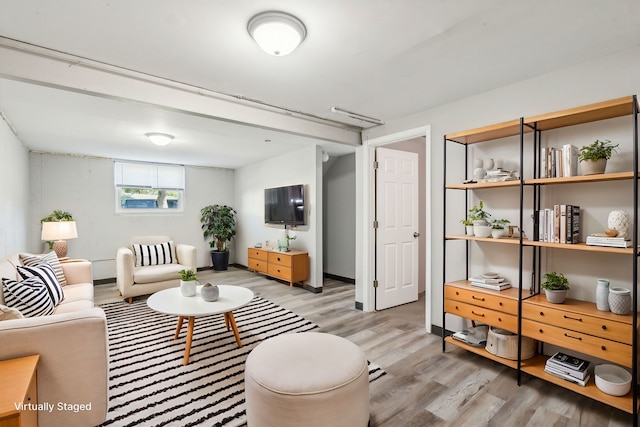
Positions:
(145, 187)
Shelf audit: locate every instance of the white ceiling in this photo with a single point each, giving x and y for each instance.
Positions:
(381, 58)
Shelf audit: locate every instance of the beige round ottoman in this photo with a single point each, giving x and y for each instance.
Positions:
(307, 379)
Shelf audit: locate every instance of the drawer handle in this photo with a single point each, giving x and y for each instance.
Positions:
(476, 298)
(542, 313)
(477, 314)
(604, 327)
(278, 258)
(457, 293)
(540, 330)
(603, 348)
(500, 304)
(573, 318)
(575, 338)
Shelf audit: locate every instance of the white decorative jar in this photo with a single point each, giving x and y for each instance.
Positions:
(620, 300)
(602, 295)
(620, 220)
(188, 288)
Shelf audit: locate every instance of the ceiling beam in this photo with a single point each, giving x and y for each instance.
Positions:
(37, 65)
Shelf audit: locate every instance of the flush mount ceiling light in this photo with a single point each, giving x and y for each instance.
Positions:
(277, 33)
(356, 116)
(159, 138)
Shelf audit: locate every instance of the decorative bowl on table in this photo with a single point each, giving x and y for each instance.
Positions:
(613, 379)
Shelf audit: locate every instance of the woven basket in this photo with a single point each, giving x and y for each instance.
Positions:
(503, 343)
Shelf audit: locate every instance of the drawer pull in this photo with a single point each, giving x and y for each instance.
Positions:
(477, 314)
(604, 327)
(542, 313)
(603, 348)
(572, 318)
(278, 258)
(540, 330)
(500, 303)
(575, 338)
(476, 298)
(457, 293)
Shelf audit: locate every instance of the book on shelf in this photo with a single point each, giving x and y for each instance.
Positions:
(570, 154)
(568, 362)
(614, 242)
(580, 374)
(559, 162)
(491, 280)
(561, 224)
(568, 378)
(493, 286)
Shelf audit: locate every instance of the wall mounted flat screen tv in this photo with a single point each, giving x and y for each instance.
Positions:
(284, 205)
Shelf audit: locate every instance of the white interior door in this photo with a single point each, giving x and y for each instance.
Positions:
(397, 232)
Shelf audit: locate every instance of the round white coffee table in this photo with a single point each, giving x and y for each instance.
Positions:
(171, 301)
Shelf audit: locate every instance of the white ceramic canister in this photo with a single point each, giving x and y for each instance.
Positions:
(620, 300)
(602, 295)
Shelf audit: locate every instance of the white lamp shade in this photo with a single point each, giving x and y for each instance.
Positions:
(159, 138)
(59, 230)
(277, 33)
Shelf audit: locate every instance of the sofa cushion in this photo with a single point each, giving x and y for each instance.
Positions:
(45, 273)
(71, 306)
(8, 313)
(50, 258)
(162, 253)
(77, 292)
(157, 273)
(30, 297)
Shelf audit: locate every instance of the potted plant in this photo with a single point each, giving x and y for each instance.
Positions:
(593, 157)
(479, 218)
(498, 228)
(188, 283)
(555, 286)
(468, 226)
(219, 225)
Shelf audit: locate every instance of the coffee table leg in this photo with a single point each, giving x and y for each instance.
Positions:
(187, 350)
(232, 321)
(180, 319)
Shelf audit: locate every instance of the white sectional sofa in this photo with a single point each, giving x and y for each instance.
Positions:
(73, 348)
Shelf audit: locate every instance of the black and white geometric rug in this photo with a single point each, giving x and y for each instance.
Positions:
(149, 385)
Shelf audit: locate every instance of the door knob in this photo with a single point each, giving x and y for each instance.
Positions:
(416, 234)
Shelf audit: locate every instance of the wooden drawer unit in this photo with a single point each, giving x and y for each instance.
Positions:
(292, 266)
(483, 315)
(19, 386)
(477, 296)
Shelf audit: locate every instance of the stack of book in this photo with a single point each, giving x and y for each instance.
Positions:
(558, 225)
(569, 368)
(615, 242)
(496, 283)
(557, 163)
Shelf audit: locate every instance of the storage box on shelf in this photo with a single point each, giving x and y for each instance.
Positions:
(575, 325)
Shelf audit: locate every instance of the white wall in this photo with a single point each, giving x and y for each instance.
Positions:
(14, 208)
(339, 206)
(296, 167)
(607, 78)
(84, 187)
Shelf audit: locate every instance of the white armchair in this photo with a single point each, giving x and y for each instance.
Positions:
(151, 270)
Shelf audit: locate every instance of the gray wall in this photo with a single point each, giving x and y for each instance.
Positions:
(339, 204)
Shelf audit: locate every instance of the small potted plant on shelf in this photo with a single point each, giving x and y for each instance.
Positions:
(593, 157)
(555, 286)
(479, 218)
(499, 228)
(188, 283)
(468, 226)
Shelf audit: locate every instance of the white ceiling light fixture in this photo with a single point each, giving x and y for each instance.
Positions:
(277, 33)
(159, 138)
(356, 116)
(325, 157)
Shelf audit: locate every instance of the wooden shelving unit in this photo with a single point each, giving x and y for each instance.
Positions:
(622, 331)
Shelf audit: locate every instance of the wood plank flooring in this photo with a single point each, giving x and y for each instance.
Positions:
(423, 385)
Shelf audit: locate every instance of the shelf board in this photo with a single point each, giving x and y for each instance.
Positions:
(535, 367)
(508, 240)
(482, 352)
(478, 185)
(487, 133)
(580, 247)
(585, 114)
(616, 176)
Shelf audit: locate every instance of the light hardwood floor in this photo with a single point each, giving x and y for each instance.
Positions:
(423, 385)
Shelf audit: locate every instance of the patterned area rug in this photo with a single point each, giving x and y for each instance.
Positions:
(149, 385)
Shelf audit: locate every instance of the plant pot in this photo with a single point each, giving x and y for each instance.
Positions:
(556, 296)
(220, 260)
(482, 230)
(620, 300)
(188, 288)
(469, 230)
(209, 292)
(497, 233)
(591, 168)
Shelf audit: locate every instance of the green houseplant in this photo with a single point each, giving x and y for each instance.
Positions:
(219, 225)
(479, 218)
(555, 286)
(188, 282)
(499, 228)
(593, 158)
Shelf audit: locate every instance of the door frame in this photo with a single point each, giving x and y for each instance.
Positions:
(368, 211)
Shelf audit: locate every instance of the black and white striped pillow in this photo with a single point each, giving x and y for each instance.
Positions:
(50, 258)
(30, 297)
(45, 273)
(162, 253)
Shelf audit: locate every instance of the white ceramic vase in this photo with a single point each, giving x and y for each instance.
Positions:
(620, 300)
(188, 288)
(602, 295)
(620, 220)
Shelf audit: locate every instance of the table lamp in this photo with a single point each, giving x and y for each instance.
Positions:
(58, 231)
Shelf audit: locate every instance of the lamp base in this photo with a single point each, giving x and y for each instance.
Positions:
(60, 248)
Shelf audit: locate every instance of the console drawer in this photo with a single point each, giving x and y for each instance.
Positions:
(257, 265)
(484, 299)
(598, 347)
(279, 271)
(258, 254)
(482, 314)
(278, 258)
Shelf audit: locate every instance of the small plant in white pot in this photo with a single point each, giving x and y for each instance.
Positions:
(480, 217)
(499, 228)
(188, 283)
(593, 157)
(555, 286)
(468, 226)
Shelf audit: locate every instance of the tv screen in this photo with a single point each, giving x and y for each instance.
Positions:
(284, 205)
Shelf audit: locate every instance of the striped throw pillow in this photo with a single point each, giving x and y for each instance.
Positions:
(30, 297)
(50, 258)
(45, 273)
(162, 253)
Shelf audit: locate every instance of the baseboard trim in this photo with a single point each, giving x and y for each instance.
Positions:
(106, 281)
(340, 278)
